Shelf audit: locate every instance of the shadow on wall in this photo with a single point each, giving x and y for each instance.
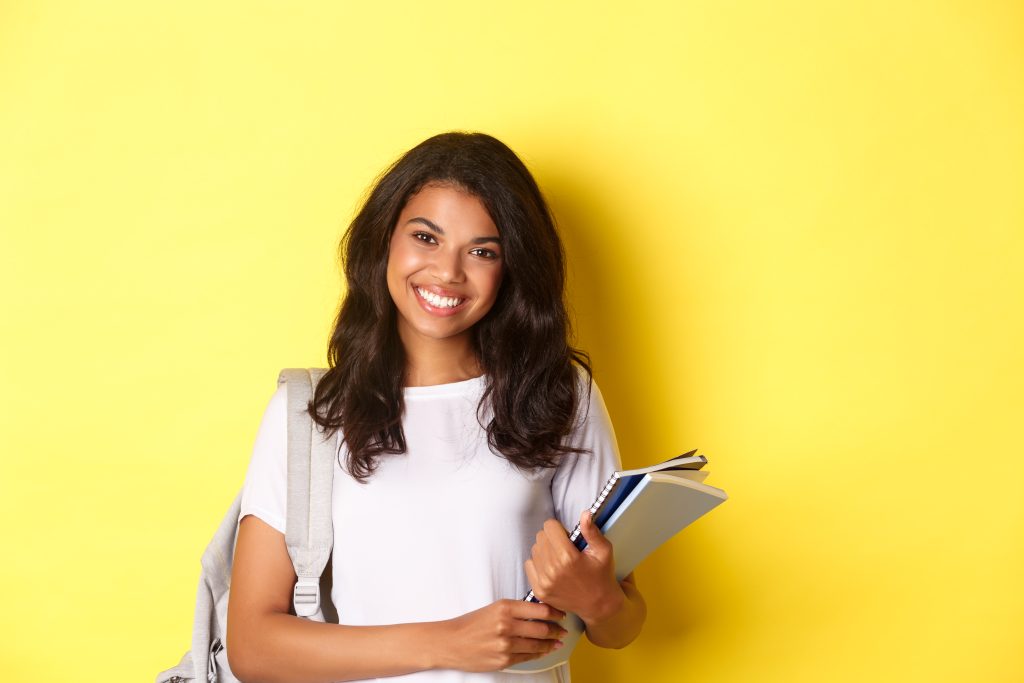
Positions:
(618, 307)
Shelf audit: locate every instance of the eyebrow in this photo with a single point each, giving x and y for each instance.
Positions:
(436, 228)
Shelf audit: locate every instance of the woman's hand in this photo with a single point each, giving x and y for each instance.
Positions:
(580, 582)
(500, 635)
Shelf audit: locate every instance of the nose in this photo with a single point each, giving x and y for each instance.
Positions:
(448, 266)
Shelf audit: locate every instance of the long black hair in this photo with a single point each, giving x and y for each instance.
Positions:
(533, 373)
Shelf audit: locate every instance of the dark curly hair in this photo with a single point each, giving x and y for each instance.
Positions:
(534, 376)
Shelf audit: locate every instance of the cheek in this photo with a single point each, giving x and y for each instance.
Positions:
(401, 262)
(396, 274)
(496, 281)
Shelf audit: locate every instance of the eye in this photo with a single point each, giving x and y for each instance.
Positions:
(484, 253)
(424, 237)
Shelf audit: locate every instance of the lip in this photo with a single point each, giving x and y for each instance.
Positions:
(433, 310)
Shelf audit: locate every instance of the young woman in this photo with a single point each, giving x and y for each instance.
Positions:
(470, 436)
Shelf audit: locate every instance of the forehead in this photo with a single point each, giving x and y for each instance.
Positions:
(450, 208)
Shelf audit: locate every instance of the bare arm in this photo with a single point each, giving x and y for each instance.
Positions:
(267, 644)
(620, 617)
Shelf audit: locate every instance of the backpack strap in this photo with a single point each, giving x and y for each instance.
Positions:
(309, 530)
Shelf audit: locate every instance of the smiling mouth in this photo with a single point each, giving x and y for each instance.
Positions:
(438, 301)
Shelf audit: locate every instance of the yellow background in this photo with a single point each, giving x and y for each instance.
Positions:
(796, 233)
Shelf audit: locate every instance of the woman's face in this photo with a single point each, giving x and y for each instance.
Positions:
(444, 265)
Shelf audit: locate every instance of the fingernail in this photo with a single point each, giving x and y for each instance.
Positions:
(558, 644)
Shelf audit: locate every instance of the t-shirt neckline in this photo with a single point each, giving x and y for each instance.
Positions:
(459, 388)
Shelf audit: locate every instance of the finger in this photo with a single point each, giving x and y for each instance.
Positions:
(541, 550)
(596, 542)
(540, 630)
(531, 574)
(514, 659)
(558, 538)
(536, 610)
(549, 560)
(536, 571)
(531, 645)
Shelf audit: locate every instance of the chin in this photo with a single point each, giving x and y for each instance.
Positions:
(432, 333)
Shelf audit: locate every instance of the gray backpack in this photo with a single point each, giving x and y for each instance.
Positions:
(309, 535)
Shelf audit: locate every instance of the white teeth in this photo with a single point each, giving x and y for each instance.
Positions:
(439, 301)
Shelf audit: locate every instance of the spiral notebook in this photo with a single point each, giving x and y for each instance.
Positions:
(637, 511)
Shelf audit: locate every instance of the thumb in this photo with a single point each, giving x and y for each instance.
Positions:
(596, 542)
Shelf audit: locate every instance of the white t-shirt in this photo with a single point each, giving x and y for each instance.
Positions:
(444, 528)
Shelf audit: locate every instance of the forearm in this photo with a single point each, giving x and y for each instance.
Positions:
(282, 648)
(619, 619)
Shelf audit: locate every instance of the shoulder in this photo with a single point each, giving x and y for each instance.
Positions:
(274, 423)
(278, 402)
(264, 492)
(592, 428)
(590, 405)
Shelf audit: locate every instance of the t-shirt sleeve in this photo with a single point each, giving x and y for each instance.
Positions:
(266, 480)
(579, 478)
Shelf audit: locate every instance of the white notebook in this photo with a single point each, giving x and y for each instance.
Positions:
(661, 504)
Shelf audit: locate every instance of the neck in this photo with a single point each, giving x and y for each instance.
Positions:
(439, 361)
